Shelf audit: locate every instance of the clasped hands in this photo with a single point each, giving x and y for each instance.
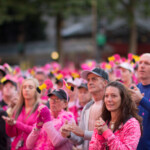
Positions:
(101, 126)
(67, 128)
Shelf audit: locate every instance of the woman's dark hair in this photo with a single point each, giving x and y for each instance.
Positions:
(128, 108)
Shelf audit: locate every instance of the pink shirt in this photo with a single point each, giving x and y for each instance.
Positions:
(49, 137)
(22, 128)
(95, 112)
(125, 138)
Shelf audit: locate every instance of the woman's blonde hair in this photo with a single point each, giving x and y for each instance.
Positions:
(21, 101)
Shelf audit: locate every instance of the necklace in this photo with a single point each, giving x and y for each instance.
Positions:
(112, 125)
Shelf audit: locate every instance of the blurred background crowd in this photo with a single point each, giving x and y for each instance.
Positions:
(36, 32)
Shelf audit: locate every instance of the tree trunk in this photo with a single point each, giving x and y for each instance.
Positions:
(94, 28)
(133, 28)
(133, 38)
(59, 21)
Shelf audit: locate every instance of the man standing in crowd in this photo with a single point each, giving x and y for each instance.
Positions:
(9, 88)
(126, 71)
(84, 97)
(141, 96)
(97, 80)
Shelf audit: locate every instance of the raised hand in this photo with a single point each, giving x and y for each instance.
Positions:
(9, 121)
(65, 130)
(136, 95)
(76, 130)
(39, 122)
(44, 114)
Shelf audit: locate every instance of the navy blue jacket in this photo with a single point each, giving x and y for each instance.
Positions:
(144, 111)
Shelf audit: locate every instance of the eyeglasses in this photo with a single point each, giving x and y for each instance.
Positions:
(54, 100)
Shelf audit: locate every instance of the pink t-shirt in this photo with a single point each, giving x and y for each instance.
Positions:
(95, 112)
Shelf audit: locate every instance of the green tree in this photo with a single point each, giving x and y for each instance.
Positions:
(19, 16)
(128, 9)
(61, 9)
(17, 10)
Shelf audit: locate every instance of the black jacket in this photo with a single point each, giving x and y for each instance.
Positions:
(4, 139)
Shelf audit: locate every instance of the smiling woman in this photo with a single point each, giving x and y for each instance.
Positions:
(119, 127)
(112, 100)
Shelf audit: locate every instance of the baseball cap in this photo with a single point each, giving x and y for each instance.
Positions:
(75, 82)
(9, 78)
(83, 85)
(126, 66)
(12, 82)
(97, 71)
(58, 81)
(60, 93)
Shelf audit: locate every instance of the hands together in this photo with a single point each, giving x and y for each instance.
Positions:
(101, 126)
(68, 128)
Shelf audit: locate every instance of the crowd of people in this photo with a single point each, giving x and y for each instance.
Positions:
(100, 106)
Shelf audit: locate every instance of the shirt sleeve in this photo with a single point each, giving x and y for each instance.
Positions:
(97, 142)
(11, 130)
(76, 139)
(87, 135)
(54, 135)
(145, 103)
(24, 127)
(79, 140)
(32, 138)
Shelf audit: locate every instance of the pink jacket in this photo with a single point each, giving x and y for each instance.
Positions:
(76, 112)
(22, 128)
(125, 138)
(49, 137)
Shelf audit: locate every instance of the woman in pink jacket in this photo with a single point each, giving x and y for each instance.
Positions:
(46, 134)
(119, 127)
(20, 124)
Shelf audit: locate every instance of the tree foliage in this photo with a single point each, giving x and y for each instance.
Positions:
(17, 10)
(123, 8)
